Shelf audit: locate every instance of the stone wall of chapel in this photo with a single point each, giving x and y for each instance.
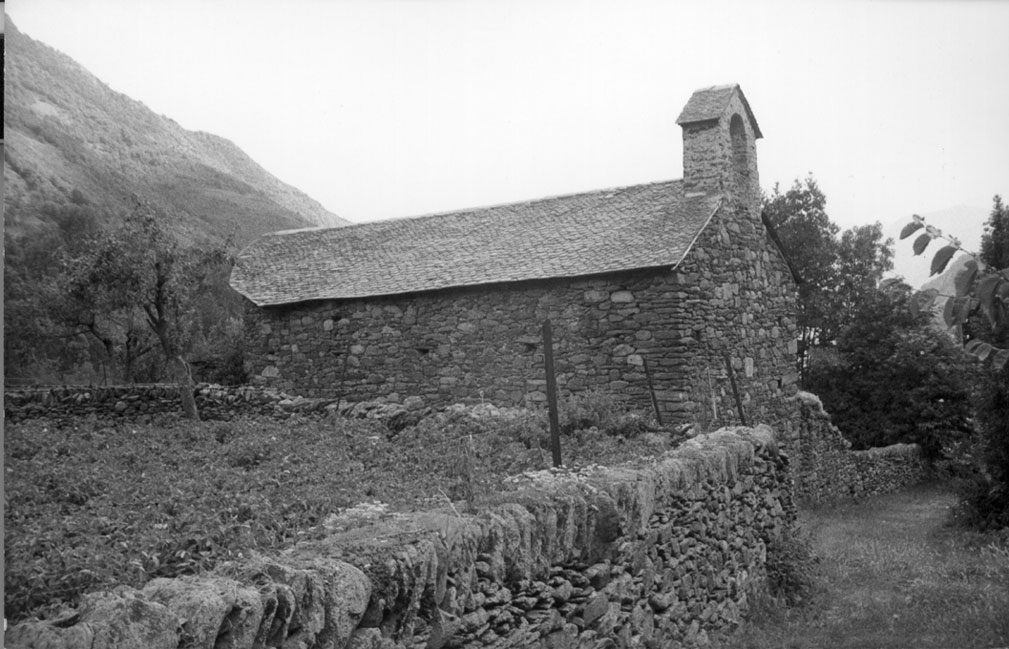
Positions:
(731, 295)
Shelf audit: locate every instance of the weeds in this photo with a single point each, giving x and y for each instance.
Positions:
(894, 572)
(601, 410)
(89, 505)
(791, 567)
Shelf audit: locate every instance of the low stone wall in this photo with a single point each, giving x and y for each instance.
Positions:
(656, 555)
(214, 402)
(827, 469)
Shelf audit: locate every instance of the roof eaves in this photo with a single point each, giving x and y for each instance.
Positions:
(708, 105)
(278, 296)
(464, 285)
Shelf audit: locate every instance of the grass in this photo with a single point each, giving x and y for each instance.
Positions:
(90, 504)
(894, 572)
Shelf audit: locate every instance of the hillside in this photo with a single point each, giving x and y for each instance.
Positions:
(76, 147)
(76, 153)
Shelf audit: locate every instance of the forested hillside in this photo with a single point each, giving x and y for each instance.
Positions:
(79, 158)
(74, 145)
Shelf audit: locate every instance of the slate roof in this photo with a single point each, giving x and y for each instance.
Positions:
(709, 104)
(640, 226)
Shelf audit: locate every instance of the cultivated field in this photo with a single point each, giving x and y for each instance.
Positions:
(90, 504)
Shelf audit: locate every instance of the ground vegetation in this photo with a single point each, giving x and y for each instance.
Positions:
(91, 504)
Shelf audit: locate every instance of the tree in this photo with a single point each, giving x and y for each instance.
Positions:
(863, 255)
(143, 268)
(807, 236)
(37, 344)
(894, 378)
(995, 240)
(839, 270)
(87, 308)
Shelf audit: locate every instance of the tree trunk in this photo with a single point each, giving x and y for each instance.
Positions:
(185, 378)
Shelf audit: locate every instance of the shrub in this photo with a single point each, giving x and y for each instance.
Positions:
(983, 475)
(993, 420)
(912, 386)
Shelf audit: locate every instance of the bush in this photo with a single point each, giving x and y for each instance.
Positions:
(984, 474)
(984, 502)
(993, 420)
(910, 387)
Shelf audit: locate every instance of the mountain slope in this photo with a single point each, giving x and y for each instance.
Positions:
(73, 142)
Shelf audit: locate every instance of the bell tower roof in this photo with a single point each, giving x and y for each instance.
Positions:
(711, 104)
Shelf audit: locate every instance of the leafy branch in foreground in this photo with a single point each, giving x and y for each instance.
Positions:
(979, 289)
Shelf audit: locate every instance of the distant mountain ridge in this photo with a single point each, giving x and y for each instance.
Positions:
(72, 140)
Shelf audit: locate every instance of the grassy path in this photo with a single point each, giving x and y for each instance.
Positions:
(894, 573)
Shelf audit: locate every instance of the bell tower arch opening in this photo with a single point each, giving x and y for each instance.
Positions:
(740, 157)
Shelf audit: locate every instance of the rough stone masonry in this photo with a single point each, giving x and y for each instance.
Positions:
(658, 554)
(449, 307)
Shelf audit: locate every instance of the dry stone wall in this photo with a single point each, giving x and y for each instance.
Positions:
(655, 555)
(826, 468)
(136, 402)
(214, 402)
(731, 295)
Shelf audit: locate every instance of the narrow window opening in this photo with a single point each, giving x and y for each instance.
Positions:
(740, 154)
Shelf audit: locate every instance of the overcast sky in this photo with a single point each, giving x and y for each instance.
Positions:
(386, 108)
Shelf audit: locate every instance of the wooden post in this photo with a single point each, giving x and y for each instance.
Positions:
(735, 389)
(555, 426)
(651, 389)
(711, 396)
(343, 377)
(343, 371)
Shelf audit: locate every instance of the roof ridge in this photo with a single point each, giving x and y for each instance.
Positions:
(722, 86)
(475, 208)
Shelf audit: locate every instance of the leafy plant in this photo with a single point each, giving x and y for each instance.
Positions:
(89, 504)
(980, 289)
(602, 410)
(979, 312)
